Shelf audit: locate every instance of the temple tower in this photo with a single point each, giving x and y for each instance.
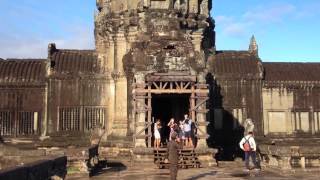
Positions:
(138, 40)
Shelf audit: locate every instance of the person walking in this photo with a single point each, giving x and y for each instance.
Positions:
(248, 145)
(173, 155)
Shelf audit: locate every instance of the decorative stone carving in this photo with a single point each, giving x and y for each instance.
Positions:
(204, 7)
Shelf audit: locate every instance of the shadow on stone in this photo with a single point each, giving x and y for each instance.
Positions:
(109, 167)
(1, 140)
(240, 175)
(199, 176)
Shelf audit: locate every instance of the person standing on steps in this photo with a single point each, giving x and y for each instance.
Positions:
(157, 135)
(173, 155)
(248, 145)
(172, 126)
(187, 130)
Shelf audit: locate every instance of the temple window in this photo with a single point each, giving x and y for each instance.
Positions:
(94, 117)
(69, 119)
(20, 123)
(6, 123)
(301, 122)
(81, 118)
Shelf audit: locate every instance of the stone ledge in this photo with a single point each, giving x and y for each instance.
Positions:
(290, 158)
(54, 168)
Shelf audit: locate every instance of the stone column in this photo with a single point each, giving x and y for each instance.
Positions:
(131, 37)
(285, 163)
(120, 124)
(110, 86)
(201, 112)
(140, 140)
(312, 120)
(289, 121)
(303, 162)
(44, 120)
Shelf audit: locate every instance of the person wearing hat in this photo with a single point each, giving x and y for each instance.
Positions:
(173, 155)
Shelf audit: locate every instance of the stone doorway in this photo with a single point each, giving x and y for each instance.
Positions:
(192, 88)
(166, 106)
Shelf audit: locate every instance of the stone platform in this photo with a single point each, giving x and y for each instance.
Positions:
(226, 170)
(80, 159)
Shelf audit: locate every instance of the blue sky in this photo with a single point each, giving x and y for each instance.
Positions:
(286, 30)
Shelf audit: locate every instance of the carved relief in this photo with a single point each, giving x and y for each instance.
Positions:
(204, 7)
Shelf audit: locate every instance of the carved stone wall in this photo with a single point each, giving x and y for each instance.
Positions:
(146, 35)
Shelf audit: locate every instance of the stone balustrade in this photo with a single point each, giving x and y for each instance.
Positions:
(289, 157)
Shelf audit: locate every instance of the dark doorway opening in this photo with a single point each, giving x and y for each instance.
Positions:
(166, 106)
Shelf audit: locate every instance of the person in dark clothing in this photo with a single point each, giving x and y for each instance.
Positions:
(173, 155)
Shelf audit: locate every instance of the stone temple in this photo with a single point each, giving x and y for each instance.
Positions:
(157, 59)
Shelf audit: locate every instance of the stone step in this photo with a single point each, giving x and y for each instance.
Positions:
(116, 153)
(187, 158)
(122, 143)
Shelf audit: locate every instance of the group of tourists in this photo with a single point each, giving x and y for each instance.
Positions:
(247, 144)
(183, 130)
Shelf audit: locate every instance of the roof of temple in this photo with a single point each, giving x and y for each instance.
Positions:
(236, 64)
(281, 71)
(25, 71)
(74, 62)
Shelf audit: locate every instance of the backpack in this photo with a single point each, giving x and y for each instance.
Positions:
(246, 145)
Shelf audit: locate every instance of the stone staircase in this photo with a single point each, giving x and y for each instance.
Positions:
(188, 158)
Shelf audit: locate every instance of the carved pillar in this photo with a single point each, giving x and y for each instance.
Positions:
(121, 115)
(110, 86)
(201, 98)
(110, 55)
(131, 37)
(140, 140)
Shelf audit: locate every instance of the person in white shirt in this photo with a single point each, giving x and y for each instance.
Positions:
(157, 135)
(187, 131)
(248, 145)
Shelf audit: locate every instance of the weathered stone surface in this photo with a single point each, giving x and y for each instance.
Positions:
(226, 170)
(55, 168)
(76, 98)
(292, 157)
